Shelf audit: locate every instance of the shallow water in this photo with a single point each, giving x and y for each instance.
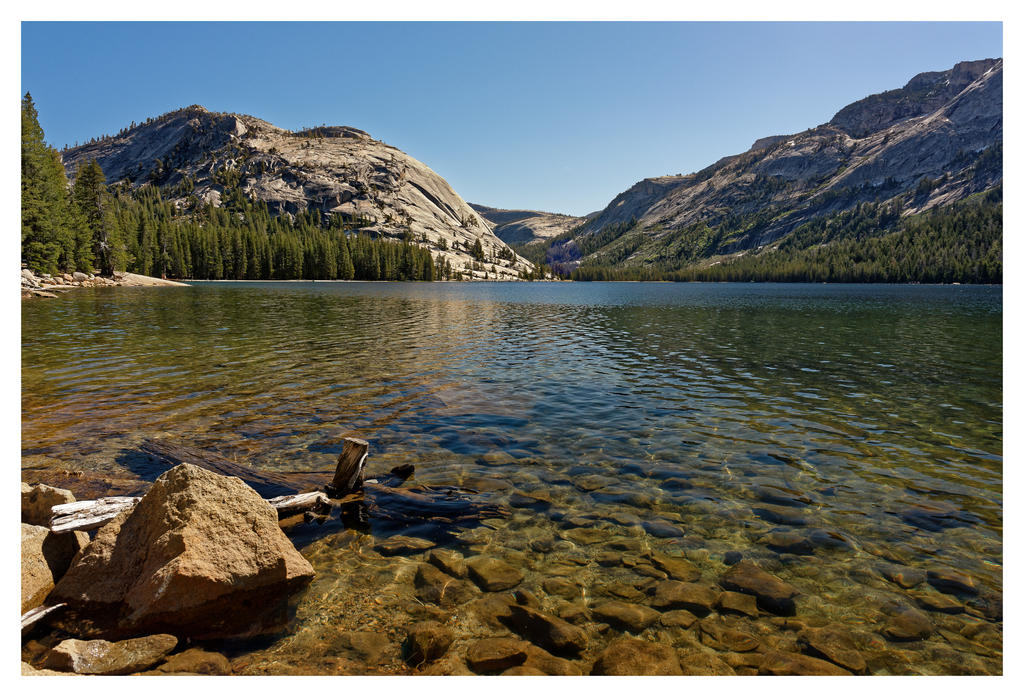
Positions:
(697, 419)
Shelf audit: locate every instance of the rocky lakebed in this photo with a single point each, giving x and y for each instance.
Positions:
(200, 577)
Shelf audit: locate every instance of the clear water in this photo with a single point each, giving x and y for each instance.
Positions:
(871, 413)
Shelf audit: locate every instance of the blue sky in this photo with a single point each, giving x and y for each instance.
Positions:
(551, 116)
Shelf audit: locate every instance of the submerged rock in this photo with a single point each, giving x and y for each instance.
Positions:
(493, 574)
(434, 586)
(718, 636)
(677, 568)
(731, 602)
(908, 624)
(949, 580)
(628, 656)
(427, 641)
(676, 595)
(547, 631)
(902, 576)
(625, 616)
(195, 662)
(788, 663)
(401, 545)
(495, 655)
(697, 662)
(200, 555)
(833, 644)
(772, 593)
(99, 657)
(448, 561)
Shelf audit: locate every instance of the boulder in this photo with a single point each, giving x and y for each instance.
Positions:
(772, 593)
(99, 657)
(547, 631)
(45, 557)
(427, 641)
(495, 655)
(493, 574)
(201, 555)
(628, 617)
(78, 276)
(627, 656)
(38, 499)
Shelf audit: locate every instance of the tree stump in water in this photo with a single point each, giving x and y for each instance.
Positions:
(348, 475)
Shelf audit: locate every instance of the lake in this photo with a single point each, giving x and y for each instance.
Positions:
(840, 436)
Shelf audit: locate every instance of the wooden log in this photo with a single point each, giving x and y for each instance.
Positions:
(88, 515)
(299, 503)
(348, 475)
(37, 613)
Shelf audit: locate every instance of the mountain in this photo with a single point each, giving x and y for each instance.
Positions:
(520, 227)
(195, 155)
(922, 147)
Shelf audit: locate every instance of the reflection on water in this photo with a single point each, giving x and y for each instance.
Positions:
(822, 431)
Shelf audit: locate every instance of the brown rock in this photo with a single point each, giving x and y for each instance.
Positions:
(101, 657)
(523, 670)
(493, 574)
(561, 588)
(948, 580)
(575, 613)
(722, 638)
(200, 555)
(908, 624)
(772, 593)
(678, 618)
(45, 557)
(788, 542)
(628, 617)
(493, 610)
(38, 499)
(676, 595)
(196, 662)
(541, 660)
(495, 655)
(451, 563)
(937, 602)
(627, 656)
(402, 545)
(731, 602)
(434, 586)
(787, 663)
(902, 576)
(833, 644)
(696, 662)
(677, 568)
(586, 536)
(29, 669)
(547, 631)
(427, 641)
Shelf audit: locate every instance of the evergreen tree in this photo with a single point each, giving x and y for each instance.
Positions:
(97, 209)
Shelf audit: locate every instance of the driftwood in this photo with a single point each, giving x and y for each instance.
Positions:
(348, 475)
(89, 515)
(382, 496)
(37, 613)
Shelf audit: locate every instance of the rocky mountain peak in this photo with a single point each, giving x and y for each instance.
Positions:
(194, 154)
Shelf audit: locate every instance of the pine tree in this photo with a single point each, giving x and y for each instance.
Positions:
(96, 206)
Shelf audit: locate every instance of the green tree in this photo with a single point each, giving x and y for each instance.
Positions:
(96, 207)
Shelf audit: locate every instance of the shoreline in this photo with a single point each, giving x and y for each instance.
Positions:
(47, 286)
